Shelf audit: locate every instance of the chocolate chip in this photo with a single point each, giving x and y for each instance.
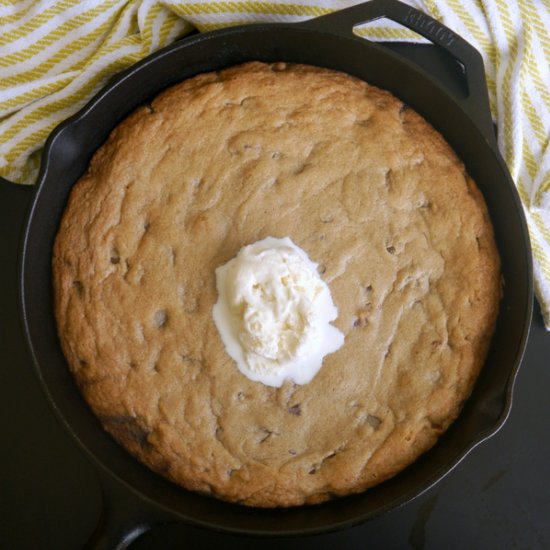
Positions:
(424, 204)
(435, 425)
(115, 255)
(362, 319)
(388, 179)
(266, 434)
(79, 287)
(296, 410)
(127, 427)
(373, 421)
(403, 118)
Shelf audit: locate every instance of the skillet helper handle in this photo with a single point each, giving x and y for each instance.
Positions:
(476, 104)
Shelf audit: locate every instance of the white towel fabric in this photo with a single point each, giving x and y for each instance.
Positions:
(55, 54)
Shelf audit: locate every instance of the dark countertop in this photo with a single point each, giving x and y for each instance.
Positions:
(50, 497)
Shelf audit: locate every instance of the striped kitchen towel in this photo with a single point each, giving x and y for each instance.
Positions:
(55, 54)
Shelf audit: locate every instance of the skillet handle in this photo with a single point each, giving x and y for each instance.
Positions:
(476, 104)
(125, 516)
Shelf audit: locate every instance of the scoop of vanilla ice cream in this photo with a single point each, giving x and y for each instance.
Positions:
(274, 311)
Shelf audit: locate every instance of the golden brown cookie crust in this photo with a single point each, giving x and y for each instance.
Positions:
(368, 189)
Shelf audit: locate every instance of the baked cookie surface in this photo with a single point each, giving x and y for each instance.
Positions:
(368, 189)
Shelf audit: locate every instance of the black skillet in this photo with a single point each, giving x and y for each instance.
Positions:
(134, 497)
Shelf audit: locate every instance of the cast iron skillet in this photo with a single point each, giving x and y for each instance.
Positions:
(134, 497)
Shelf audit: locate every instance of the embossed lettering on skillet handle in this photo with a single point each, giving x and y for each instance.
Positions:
(342, 23)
